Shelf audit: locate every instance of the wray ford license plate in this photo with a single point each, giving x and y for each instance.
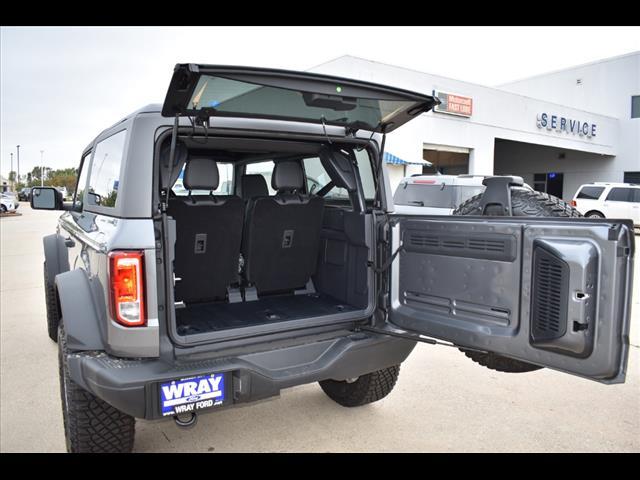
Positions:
(192, 394)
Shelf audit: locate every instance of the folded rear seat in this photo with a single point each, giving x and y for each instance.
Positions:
(209, 232)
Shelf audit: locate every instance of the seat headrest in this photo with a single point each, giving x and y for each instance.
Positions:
(201, 174)
(287, 176)
(253, 186)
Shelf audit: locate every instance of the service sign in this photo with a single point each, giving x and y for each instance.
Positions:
(454, 104)
(191, 394)
(567, 125)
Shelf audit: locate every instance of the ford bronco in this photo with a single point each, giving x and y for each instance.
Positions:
(240, 239)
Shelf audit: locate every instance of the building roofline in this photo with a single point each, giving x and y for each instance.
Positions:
(497, 89)
(575, 67)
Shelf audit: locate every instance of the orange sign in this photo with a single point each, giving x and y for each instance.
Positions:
(454, 104)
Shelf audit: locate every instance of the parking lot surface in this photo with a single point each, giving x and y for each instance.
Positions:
(442, 402)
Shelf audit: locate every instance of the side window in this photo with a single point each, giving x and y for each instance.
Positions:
(225, 185)
(262, 168)
(590, 193)
(317, 177)
(620, 195)
(105, 171)
(78, 196)
(366, 174)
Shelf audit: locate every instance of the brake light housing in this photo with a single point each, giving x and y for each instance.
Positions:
(573, 203)
(126, 284)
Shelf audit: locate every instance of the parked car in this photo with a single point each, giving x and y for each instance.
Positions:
(8, 203)
(609, 200)
(64, 192)
(171, 304)
(437, 194)
(24, 194)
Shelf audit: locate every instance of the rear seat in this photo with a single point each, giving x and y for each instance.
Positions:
(209, 232)
(282, 233)
(253, 186)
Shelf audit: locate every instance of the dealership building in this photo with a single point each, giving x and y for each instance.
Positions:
(557, 130)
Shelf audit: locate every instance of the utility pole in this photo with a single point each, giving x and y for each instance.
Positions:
(14, 180)
(18, 147)
(41, 169)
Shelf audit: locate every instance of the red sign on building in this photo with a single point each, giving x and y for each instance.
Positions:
(454, 104)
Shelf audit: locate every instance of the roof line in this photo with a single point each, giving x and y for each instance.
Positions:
(575, 67)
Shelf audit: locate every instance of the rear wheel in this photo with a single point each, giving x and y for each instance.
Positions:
(524, 203)
(51, 302)
(594, 214)
(365, 389)
(90, 424)
(3, 208)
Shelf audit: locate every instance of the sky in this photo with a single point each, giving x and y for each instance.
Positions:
(61, 86)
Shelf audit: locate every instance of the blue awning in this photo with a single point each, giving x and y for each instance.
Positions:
(393, 160)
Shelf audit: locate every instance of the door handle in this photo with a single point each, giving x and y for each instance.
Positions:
(68, 242)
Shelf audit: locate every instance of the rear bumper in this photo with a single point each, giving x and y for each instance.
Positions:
(132, 385)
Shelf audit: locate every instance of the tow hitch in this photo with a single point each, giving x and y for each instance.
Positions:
(188, 420)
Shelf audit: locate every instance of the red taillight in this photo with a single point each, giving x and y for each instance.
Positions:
(430, 182)
(573, 203)
(127, 287)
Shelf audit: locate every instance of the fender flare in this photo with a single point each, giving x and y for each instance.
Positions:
(80, 316)
(56, 256)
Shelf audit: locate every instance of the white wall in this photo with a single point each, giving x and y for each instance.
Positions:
(607, 87)
(578, 167)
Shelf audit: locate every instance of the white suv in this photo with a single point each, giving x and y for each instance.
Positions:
(609, 200)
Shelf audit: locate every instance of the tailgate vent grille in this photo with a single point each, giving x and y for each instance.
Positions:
(488, 246)
(549, 295)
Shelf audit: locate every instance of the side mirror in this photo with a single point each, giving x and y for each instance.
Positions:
(46, 198)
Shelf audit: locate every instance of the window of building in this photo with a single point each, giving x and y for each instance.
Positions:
(620, 195)
(631, 177)
(105, 171)
(590, 193)
(635, 106)
(225, 185)
(551, 183)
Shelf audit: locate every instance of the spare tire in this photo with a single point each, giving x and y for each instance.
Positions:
(524, 203)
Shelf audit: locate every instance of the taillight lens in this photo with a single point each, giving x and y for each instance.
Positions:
(573, 203)
(126, 276)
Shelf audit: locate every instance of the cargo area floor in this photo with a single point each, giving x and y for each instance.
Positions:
(209, 317)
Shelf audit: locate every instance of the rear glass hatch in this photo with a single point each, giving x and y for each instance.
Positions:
(202, 91)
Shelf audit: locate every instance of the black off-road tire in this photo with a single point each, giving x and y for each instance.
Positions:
(90, 424)
(51, 302)
(366, 389)
(524, 203)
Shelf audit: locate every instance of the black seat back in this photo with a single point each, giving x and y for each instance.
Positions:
(253, 186)
(209, 232)
(282, 233)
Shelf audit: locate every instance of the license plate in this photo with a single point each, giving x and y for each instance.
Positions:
(192, 394)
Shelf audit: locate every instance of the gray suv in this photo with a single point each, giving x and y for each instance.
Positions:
(240, 239)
